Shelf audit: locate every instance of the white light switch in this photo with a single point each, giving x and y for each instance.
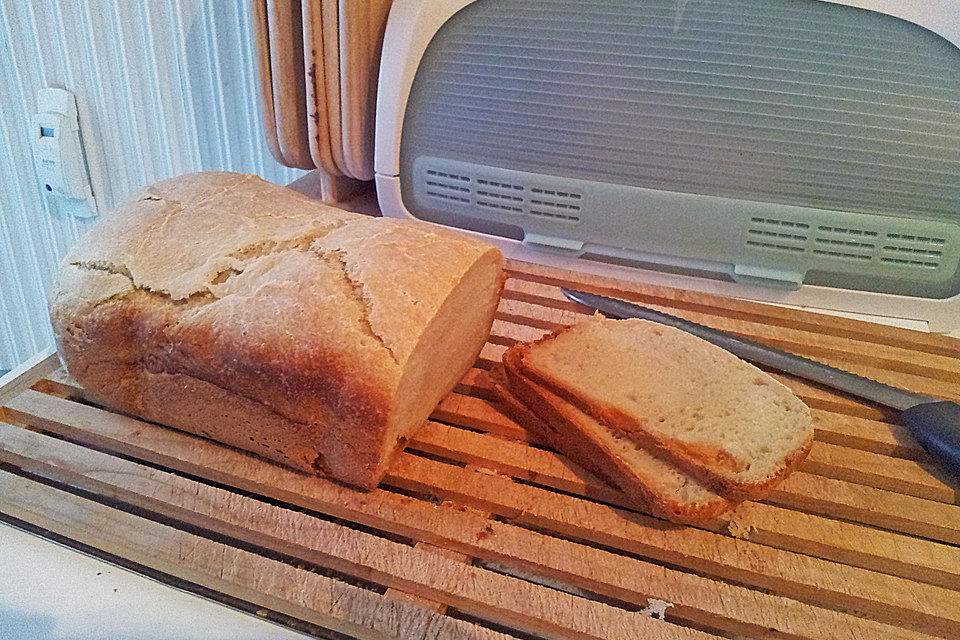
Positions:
(57, 151)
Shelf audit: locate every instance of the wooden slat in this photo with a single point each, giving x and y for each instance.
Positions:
(28, 373)
(845, 542)
(868, 435)
(874, 507)
(287, 77)
(804, 491)
(874, 470)
(487, 595)
(732, 307)
(262, 44)
(268, 584)
(878, 596)
(696, 599)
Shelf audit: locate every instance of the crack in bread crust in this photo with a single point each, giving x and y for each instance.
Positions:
(335, 257)
(246, 255)
(194, 299)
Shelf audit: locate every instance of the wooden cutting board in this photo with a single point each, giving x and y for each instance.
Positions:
(361, 27)
(318, 112)
(480, 531)
(330, 12)
(287, 75)
(261, 34)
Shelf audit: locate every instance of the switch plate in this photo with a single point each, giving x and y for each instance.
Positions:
(58, 155)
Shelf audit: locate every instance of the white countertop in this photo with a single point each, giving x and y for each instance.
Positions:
(51, 592)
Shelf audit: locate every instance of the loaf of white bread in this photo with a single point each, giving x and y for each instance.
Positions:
(683, 427)
(239, 310)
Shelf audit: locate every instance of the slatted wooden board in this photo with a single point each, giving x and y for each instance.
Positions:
(479, 531)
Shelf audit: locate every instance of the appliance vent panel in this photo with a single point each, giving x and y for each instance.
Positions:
(795, 102)
(876, 253)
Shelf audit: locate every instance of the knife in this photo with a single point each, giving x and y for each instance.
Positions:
(933, 422)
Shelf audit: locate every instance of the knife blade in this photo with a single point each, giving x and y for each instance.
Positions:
(935, 423)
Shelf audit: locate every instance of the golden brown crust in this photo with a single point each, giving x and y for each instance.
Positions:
(259, 299)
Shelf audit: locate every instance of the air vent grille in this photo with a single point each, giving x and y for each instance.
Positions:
(498, 195)
(918, 252)
(846, 243)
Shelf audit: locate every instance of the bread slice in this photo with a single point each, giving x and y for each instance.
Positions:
(654, 484)
(714, 415)
(567, 442)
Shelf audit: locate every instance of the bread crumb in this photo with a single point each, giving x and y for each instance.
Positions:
(656, 609)
(486, 471)
(739, 529)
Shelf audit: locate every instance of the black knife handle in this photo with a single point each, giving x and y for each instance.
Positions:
(936, 426)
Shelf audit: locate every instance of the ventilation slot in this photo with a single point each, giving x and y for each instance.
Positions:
(914, 251)
(498, 184)
(848, 232)
(843, 255)
(452, 187)
(555, 204)
(773, 222)
(844, 249)
(907, 262)
(939, 242)
(500, 205)
(447, 176)
(499, 196)
(845, 243)
(774, 246)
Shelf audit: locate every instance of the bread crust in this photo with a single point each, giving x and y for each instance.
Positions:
(585, 449)
(222, 290)
(702, 462)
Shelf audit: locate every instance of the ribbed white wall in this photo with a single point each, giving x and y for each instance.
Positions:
(163, 87)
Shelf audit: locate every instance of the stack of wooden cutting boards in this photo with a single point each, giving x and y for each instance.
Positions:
(318, 62)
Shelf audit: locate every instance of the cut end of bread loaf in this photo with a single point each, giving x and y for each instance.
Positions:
(717, 417)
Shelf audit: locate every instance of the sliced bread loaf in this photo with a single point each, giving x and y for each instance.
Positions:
(715, 416)
(567, 441)
(655, 484)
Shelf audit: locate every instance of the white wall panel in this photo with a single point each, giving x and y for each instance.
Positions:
(163, 87)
